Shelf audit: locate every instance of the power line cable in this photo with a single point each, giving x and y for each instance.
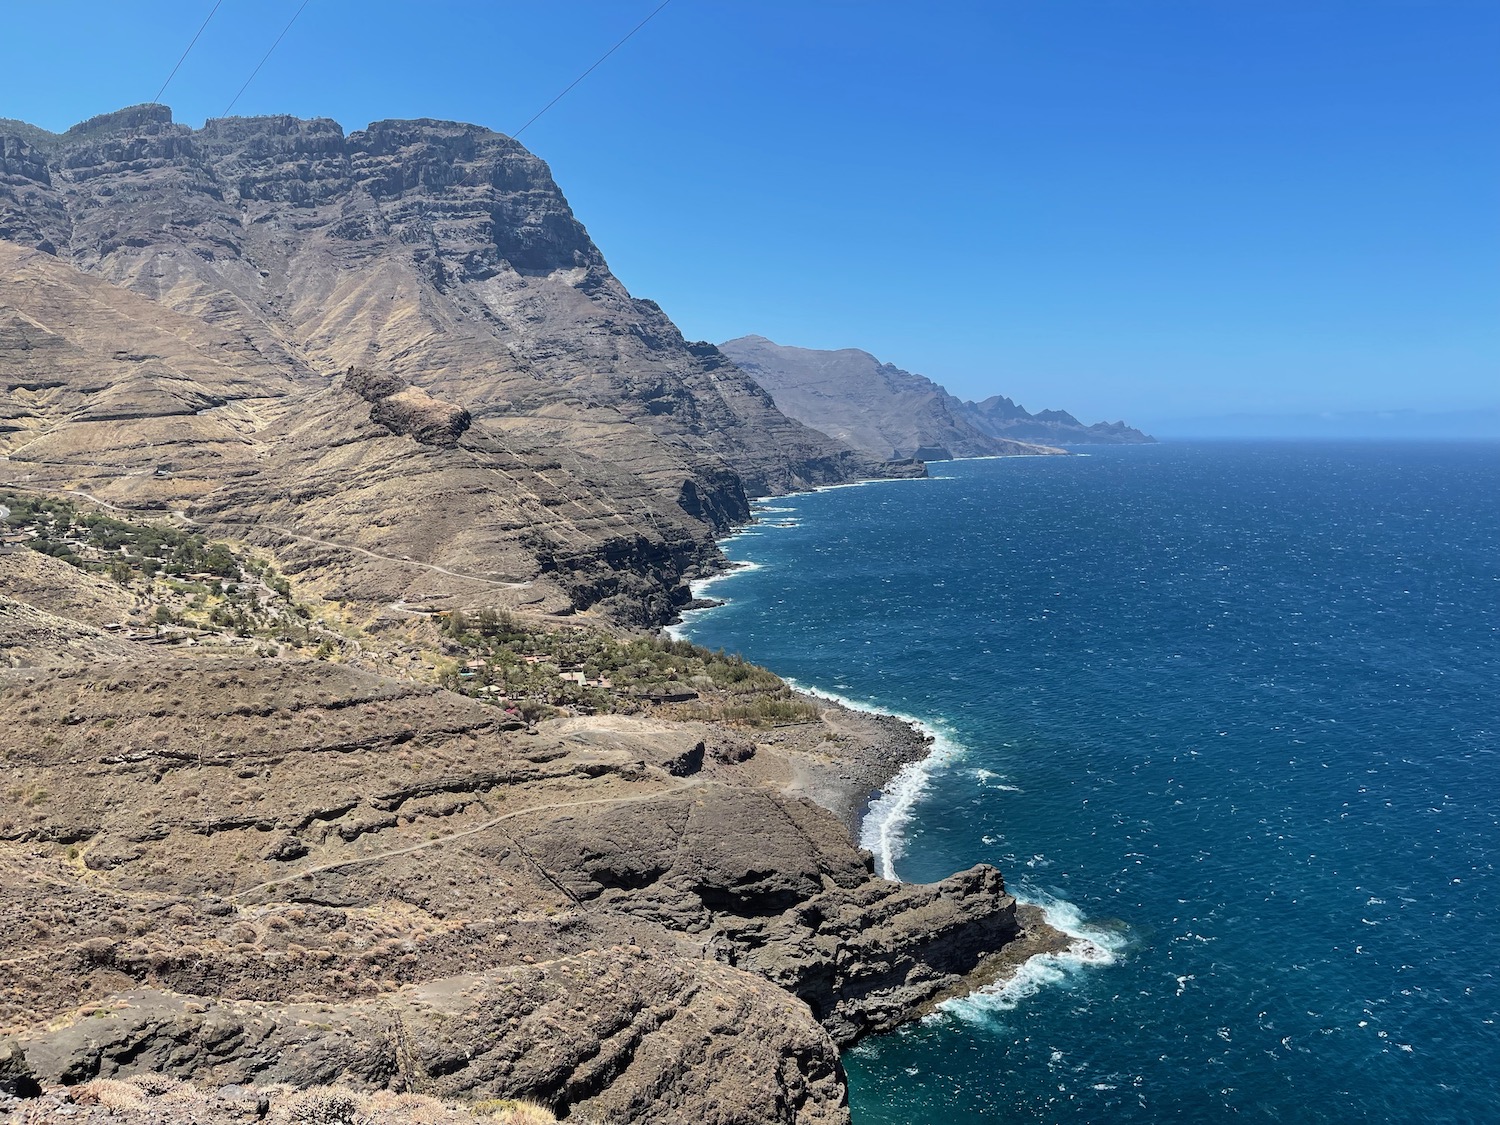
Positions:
(469, 175)
(185, 54)
(591, 69)
(267, 55)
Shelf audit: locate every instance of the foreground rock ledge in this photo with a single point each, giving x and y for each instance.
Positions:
(259, 872)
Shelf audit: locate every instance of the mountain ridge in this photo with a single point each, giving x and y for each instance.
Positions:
(887, 411)
(439, 253)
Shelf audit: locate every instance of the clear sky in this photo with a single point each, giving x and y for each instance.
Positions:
(1146, 209)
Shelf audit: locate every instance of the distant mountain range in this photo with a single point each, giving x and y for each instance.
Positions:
(886, 412)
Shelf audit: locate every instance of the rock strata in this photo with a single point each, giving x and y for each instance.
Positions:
(257, 872)
(180, 301)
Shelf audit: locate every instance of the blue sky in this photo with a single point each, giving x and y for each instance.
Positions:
(1147, 209)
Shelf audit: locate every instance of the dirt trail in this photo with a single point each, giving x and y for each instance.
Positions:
(391, 853)
(390, 558)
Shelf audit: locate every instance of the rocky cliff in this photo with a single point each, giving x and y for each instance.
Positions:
(1001, 418)
(180, 302)
(254, 872)
(887, 412)
(246, 838)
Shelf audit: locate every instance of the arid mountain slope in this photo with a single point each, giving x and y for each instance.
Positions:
(178, 305)
(850, 395)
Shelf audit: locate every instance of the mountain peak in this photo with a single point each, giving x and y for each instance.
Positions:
(888, 412)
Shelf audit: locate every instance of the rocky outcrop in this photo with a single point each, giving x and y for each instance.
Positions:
(250, 871)
(17, 1080)
(801, 908)
(617, 1035)
(404, 409)
(999, 417)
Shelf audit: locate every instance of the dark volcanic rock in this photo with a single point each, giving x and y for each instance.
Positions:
(614, 1035)
(404, 409)
(16, 1077)
(799, 907)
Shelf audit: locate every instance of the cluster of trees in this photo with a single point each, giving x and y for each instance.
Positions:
(163, 555)
(635, 668)
(119, 548)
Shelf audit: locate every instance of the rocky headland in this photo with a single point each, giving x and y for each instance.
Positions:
(343, 777)
(890, 413)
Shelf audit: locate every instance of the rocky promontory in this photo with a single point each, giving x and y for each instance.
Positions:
(887, 412)
(346, 777)
(246, 872)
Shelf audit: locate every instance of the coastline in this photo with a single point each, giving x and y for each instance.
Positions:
(844, 761)
(856, 757)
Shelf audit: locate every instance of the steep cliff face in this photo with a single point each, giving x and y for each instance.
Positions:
(439, 254)
(888, 412)
(999, 417)
(873, 406)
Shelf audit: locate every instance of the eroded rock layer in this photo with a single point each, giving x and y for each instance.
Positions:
(250, 871)
(179, 303)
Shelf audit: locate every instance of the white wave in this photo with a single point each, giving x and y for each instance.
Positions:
(698, 585)
(679, 631)
(1090, 948)
(867, 483)
(883, 829)
(986, 778)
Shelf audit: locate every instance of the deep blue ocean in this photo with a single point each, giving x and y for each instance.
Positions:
(1231, 713)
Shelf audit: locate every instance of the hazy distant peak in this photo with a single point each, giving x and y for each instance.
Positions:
(889, 412)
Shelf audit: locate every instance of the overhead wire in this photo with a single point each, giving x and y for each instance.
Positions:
(591, 69)
(267, 55)
(185, 54)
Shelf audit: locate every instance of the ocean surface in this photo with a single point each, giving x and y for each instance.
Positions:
(1231, 713)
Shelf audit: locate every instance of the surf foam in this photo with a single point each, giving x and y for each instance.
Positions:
(883, 829)
(1090, 948)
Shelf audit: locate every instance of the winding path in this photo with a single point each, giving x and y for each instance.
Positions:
(391, 853)
(384, 558)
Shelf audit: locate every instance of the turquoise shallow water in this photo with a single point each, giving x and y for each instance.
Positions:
(1232, 712)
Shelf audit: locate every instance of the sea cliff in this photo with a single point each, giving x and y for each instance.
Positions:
(344, 488)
